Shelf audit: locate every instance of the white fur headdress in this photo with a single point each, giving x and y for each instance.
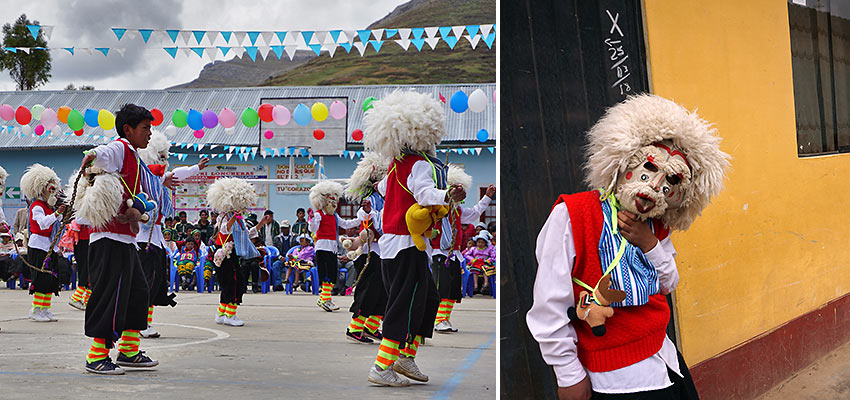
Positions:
(457, 175)
(646, 119)
(370, 169)
(404, 120)
(157, 150)
(319, 193)
(231, 194)
(35, 179)
(3, 176)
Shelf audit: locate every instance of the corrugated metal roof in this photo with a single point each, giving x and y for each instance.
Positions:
(462, 128)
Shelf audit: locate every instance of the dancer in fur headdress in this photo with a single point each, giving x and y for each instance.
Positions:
(230, 197)
(406, 127)
(4, 226)
(113, 203)
(40, 185)
(446, 258)
(150, 240)
(370, 295)
(606, 257)
(325, 222)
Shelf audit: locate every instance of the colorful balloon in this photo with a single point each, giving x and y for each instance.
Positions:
(483, 135)
(250, 118)
(76, 120)
(459, 102)
(319, 134)
(39, 130)
(477, 101)
(281, 115)
(195, 120)
(319, 111)
(302, 115)
(227, 118)
(171, 130)
(157, 117)
(49, 119)
(36, 111)
(367, 104)
(90, 117)
(209, 119)
(23, 115)
(7, 112)
(199, 133)
(357, 135)
(338, 110)
(179, 118)
(265, 112)
(78, 132)
(106, 120)
(268, 134)
(63, 113)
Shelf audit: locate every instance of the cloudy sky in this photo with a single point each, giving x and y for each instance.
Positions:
(87, 23)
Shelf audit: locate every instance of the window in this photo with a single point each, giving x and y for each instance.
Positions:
(820, 59)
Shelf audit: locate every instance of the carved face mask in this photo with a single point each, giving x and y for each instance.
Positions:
(51, 192)
(655, 181)
(330, 205)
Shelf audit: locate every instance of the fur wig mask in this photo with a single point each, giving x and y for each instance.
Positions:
(457, 176)
(404, 121)
(370, 170)
(231, 195)
(3, 176)
(40, 182)
(157, 151)
(660, 160)
(325, 196)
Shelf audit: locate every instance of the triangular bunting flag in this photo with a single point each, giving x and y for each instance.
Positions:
(485, 29)
(200, 147)
(280, 36)
(404, 43)
(252, 52)
(104, 50)
(186, 36)
(186, 51)
(88, 50)
(119, 32)
(47, 30)
(458, 30)
(349, 36)
(361, 47)
(172, 33)
(211, 36)
(417, 32)
(418, 43)
(316, 48)
(278, 50)
(364, 34)
(252, 36)
(451, 41)
(195, 145)
(308, 36)
(228, 155)
(210, 53)
(321, 37)
(489, 40)
(34, 30)
(346, 46)
(403, 33)
(199, 51)
(291, 37)
(376, 44)
(290, 50)
(238, 51)
(15, 49)
(224, 50)
(199, 35)
(345, 153)
(330, 47)
(433, 42)
(24, 49)
(473, 29)
(335, 35)
(473, 40)
(267, 37)
(390, 32)
(226, 36)
(377, 34)
(444, 31)
(120, 50)
(264, 51)
(240, 37)
(146, 34)
(492, 149)
(431, 31)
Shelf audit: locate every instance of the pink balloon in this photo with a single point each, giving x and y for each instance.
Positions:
(49, 119)
(268, 134)
(227, 118)
(7, 112)
(338, 110)
(39, 130)
(281, 115)
(495, 96)
(199, 133)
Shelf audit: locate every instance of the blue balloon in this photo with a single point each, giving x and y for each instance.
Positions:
(459, 102)
(302, 115)
(195, 120)
(483, 135)
(91, 117)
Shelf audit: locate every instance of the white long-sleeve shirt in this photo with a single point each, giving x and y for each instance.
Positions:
(468, 215)
(421, 183)
(553, 293)
(157, 239)
(44, 221)
(327, 244)
(375, 219)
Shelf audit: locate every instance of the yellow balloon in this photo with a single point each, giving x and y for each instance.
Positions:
(106, 120)
(319, 111)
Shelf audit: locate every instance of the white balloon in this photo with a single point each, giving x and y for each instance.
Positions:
(26, 129)
(230, 130)
(171, 130)
(477, 101)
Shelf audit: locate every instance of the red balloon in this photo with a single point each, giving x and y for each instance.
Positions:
(23, 115)
(357, 135)
(79, 132)
(319, 134)
(157, 117)
(266, 112)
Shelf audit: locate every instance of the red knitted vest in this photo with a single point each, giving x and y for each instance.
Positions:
(458, 230)
(130, 172)
(85, 232)
(327, 227)
(34, 228)
(633, 333)
(398, 200)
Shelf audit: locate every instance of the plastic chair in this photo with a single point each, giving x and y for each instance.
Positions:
(73, 274)
(314, 280)
(272, 253)
(465, 290)
(199, 277)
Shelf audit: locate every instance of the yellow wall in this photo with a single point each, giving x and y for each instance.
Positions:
(773, 245)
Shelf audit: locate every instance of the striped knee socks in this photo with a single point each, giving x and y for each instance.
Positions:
(230, 309)
(86, 296)
(410, 350)
(325, 294)
(373, 323)
(129, 344)
(222, 308)
(444, 311)
(78, 294)
(387, 354)
(41, 300)
(150, 315)
(98, 351)
(356, 324)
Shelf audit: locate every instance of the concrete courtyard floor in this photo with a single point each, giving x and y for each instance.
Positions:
(288, 348)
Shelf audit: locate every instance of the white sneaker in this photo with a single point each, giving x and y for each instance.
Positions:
(219, 319)
(149, 333)
(38, 316)
(386, 377)
(233, 321)
(77, 304)
(451, 327)
(324, 305)
(48, 314)
(407, 367)
(331, 305)
(442, 327)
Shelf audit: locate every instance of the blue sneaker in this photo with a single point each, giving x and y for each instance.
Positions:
(104, 367)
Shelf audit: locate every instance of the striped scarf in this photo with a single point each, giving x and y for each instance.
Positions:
(634, 275)
(159, 193)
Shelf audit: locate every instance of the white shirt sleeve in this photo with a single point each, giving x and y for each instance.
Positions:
(313, 225)
(471, 215)
(182, 173)
(43, 221)
(382, 187)
(110, 156)
(663, 257)
(3, 217)
(553, 293)
(222, 224)
(347, 223)
(421, 183)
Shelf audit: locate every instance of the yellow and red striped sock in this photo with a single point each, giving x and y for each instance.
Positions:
(356, 324)
(98, 350)
(150, 315)
(451, 307)
(230, 309)
(41, 300)
(387, 353)
(410, 350)
(86, 296)
(373, 323)
(442, 311)
(222, 308)
(325, 294)
(78, 294)
(129, 344)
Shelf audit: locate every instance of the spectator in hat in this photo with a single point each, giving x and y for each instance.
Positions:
(269, 230)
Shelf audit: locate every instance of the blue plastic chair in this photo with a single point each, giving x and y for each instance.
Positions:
(272, 253)
(314, 280)
(73, 274)
(466, 284)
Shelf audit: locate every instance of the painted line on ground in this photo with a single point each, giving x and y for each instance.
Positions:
(450, 385)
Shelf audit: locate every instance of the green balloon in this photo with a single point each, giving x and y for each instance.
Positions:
(250, 118)
(76, 120)
(367, 104)
(179, 118)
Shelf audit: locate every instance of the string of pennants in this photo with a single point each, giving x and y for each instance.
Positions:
(280, 42)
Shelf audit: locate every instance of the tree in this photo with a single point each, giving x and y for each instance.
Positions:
(28, 70)
(84, 87)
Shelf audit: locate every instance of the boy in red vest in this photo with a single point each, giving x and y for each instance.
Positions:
(657, 166)
(446, 258)
(41, 185)
(118, 304)
(325, 222)
(406, 127)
